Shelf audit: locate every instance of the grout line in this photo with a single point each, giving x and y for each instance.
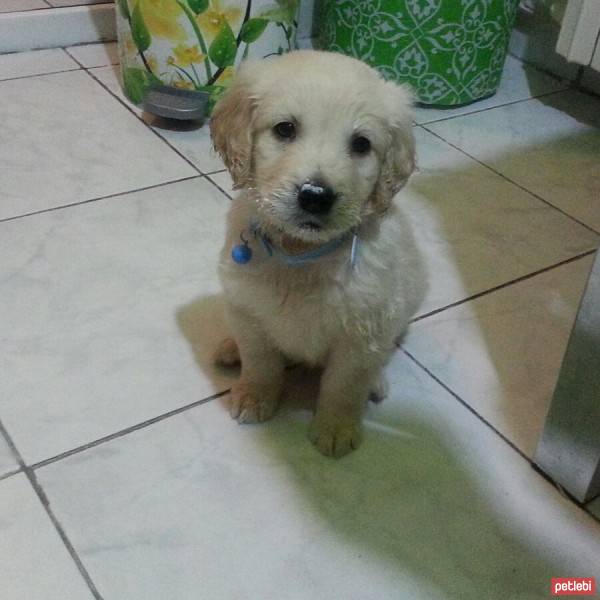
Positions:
(10, 12)
(207, 176)
(503, 285)
(46, 504)
(77, 4)
(467, 406)
(83, 45)
(11, 445)
(564, 492)
(97, 43)
(506, 178)
(480, 110)
(561, 490)
(107, 197)
(587, 505)
(591, 514)
(156, 133)
(127, 430)
(10, 474)
(42, 74)
(65, 49)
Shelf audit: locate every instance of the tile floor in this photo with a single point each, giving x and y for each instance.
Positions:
(121, 475)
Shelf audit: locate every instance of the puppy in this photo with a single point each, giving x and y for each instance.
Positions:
(318, 266)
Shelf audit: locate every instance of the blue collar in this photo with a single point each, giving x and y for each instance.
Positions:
(312, 255)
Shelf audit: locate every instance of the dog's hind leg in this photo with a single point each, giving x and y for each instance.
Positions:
(227, 354)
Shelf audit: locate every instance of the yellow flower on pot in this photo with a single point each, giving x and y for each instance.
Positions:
(186, 55)
(161, 19)
(218, 11)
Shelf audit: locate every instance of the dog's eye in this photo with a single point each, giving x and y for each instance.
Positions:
(360, 144)
(285, 130)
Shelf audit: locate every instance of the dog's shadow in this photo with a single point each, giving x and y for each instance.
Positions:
(407, 503)
(202, 323)
(411, 505)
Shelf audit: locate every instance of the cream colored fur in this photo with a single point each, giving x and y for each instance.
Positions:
(325, 314)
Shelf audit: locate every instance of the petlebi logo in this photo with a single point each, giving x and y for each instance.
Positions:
(573, 586)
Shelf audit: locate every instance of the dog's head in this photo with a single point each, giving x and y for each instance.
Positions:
(321, 138)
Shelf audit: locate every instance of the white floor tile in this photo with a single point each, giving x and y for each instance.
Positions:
(39, 62)
(432, 506)
(64, 139)
(191, 139)
(7, 460)
(475, 230)
(33, 560)
(519, 82)
(19, 5)
(550, 145)
(95, 55)
(109, 314)
(502, 352)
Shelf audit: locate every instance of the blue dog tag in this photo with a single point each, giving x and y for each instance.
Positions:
(241, 254)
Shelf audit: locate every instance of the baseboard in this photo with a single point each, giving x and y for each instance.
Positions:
(55, 27)
(533, 40)
(590, 82)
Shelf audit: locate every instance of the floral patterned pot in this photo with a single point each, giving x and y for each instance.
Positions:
(195, 44)
(451, 51)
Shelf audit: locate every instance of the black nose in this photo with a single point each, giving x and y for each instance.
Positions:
(315, 198)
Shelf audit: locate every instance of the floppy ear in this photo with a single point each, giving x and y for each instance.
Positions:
(231, 127)
(399, 160)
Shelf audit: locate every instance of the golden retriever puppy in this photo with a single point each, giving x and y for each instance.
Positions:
(318, 267)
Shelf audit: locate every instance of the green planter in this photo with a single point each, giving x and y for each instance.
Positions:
(451, 51)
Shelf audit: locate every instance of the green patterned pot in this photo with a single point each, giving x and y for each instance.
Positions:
(451, 51)
(196, 44)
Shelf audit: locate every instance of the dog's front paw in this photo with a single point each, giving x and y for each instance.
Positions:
(250, 404)
(335, 439)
